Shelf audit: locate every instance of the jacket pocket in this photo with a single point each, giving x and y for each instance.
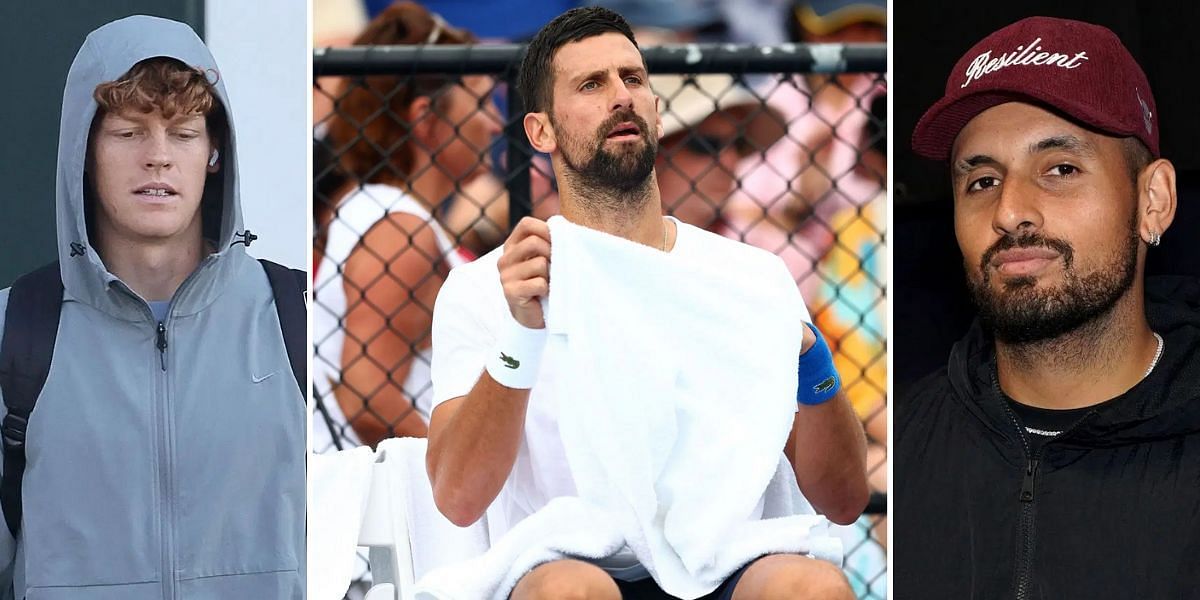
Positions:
(149, 590)
(267, 585)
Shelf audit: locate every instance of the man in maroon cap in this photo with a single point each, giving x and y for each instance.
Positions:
(1058, 453)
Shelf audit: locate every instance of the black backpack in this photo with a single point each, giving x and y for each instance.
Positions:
(30, 330)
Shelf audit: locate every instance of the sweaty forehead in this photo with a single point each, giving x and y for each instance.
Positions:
(604, 52)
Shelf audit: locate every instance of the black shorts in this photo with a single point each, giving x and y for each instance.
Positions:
(646, 589)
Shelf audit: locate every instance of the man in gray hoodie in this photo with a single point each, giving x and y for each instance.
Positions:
(165, 457)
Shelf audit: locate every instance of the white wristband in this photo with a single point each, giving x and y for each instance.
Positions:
(517, 355)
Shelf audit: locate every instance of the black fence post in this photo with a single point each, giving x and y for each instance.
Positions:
(518, 157)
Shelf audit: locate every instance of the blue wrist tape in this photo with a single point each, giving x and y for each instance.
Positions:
(819, 381)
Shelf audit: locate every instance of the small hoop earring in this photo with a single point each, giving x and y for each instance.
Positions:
(1155, 239)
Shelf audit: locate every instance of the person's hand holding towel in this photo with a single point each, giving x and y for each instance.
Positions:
(525, 277)
(525, 271)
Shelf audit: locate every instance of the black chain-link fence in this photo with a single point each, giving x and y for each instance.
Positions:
(421, 163)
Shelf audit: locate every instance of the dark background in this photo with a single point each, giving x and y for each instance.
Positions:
(38, 41)
(932, 309)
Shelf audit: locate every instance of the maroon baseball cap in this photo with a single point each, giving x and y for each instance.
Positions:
(1079, 70)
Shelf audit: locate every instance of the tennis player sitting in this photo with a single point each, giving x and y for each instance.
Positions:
(636, 420)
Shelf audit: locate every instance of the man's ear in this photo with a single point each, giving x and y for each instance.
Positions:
(1156, 199)
(540, 132)
(421, 121)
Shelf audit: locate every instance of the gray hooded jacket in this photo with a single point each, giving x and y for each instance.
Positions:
(168, 475)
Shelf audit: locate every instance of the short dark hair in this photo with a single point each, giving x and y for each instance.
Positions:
(536, 79)
(1137, 156)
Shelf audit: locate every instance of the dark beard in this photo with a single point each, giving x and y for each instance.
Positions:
(623, 177)
(1022, 314)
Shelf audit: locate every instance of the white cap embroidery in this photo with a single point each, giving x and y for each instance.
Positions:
(1031, 54)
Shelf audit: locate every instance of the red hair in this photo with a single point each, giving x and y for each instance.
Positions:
(162, 84)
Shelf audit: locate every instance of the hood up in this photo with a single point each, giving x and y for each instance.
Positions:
(1165, 404)
(107, 54)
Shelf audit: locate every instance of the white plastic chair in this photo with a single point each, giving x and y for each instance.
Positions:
(397, 560)
(385, 532)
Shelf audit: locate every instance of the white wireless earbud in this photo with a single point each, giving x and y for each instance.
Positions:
(212, 160)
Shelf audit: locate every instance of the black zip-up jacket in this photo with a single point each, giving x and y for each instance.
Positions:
(1108, 509)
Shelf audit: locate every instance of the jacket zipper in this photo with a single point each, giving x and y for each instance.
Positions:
(1026, 528)
(166, 471)
(165, 435)
(161, 427)
(1026, 533)
(161, 344)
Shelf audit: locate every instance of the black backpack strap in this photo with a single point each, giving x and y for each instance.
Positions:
(30, 329)
(289, 286)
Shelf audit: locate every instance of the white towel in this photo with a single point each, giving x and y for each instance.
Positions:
(681, 382)
(573, 528)
(340, 485)
(432, 539)
(682, 379)
(564, 528)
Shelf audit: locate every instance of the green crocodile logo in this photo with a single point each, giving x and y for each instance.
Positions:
(509, 361)
(825, 385)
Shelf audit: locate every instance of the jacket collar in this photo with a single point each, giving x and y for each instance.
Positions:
(1164, 404)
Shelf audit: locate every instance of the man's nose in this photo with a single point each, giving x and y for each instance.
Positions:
(158, 152)
(1017, 209)
(622, 97)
